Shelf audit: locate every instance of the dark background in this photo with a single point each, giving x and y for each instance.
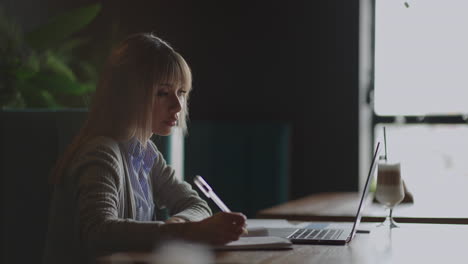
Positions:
(294, 61)
(252, 60)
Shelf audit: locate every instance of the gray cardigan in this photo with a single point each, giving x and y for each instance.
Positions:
(93, 209)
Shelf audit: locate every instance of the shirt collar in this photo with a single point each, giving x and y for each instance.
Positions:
(139, 155)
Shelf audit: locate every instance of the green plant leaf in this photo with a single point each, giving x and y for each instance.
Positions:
(45, 73)
(61, 27)
(24, 73)
(58, 66)
(27, 70)
(68, 46)
(59, 84)
(34, 96)
(48, 99)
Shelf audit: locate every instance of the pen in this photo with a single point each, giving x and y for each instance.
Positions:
(208, 191)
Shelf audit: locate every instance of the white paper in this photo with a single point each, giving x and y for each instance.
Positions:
(274, 223)
(260, 242)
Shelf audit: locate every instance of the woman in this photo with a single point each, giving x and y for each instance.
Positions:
(110, 178)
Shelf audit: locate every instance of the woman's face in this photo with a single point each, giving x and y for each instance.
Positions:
(168, 102)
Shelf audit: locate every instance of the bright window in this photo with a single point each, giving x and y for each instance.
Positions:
(420, 88)
(431, 156)
(421, 57)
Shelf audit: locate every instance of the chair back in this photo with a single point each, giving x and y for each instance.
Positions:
(246, 163)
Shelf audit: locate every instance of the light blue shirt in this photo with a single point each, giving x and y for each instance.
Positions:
(140, 161)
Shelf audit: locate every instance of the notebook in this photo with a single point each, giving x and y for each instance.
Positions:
(329, 233)
(257, 242)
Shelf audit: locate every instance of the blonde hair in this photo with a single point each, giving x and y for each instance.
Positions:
(123, 102)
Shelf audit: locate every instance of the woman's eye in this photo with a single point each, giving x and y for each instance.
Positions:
(182, 92)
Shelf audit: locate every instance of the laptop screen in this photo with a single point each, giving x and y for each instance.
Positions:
(366, 189)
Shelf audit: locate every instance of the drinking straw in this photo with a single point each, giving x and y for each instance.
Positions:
(385, 142)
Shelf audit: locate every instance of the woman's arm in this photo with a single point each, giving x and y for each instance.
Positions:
(96, 179)
(101, 231)
(178, 196)
(100, 227)
(98, 185)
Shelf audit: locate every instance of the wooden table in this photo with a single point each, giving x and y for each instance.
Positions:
(450, 209)
(412, 243)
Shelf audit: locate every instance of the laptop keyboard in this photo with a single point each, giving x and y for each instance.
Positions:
(316, 234)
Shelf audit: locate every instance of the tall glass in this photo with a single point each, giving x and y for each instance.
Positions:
(390, 191)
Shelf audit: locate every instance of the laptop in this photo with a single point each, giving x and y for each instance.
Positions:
(329, 233)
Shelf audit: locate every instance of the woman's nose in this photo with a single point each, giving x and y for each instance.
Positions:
(176, 104)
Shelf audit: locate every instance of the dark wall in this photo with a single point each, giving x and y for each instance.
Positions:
(295, 61)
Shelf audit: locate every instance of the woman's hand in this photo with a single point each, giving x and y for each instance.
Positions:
(220, 228)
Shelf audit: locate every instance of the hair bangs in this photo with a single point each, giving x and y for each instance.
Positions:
(176, 72)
